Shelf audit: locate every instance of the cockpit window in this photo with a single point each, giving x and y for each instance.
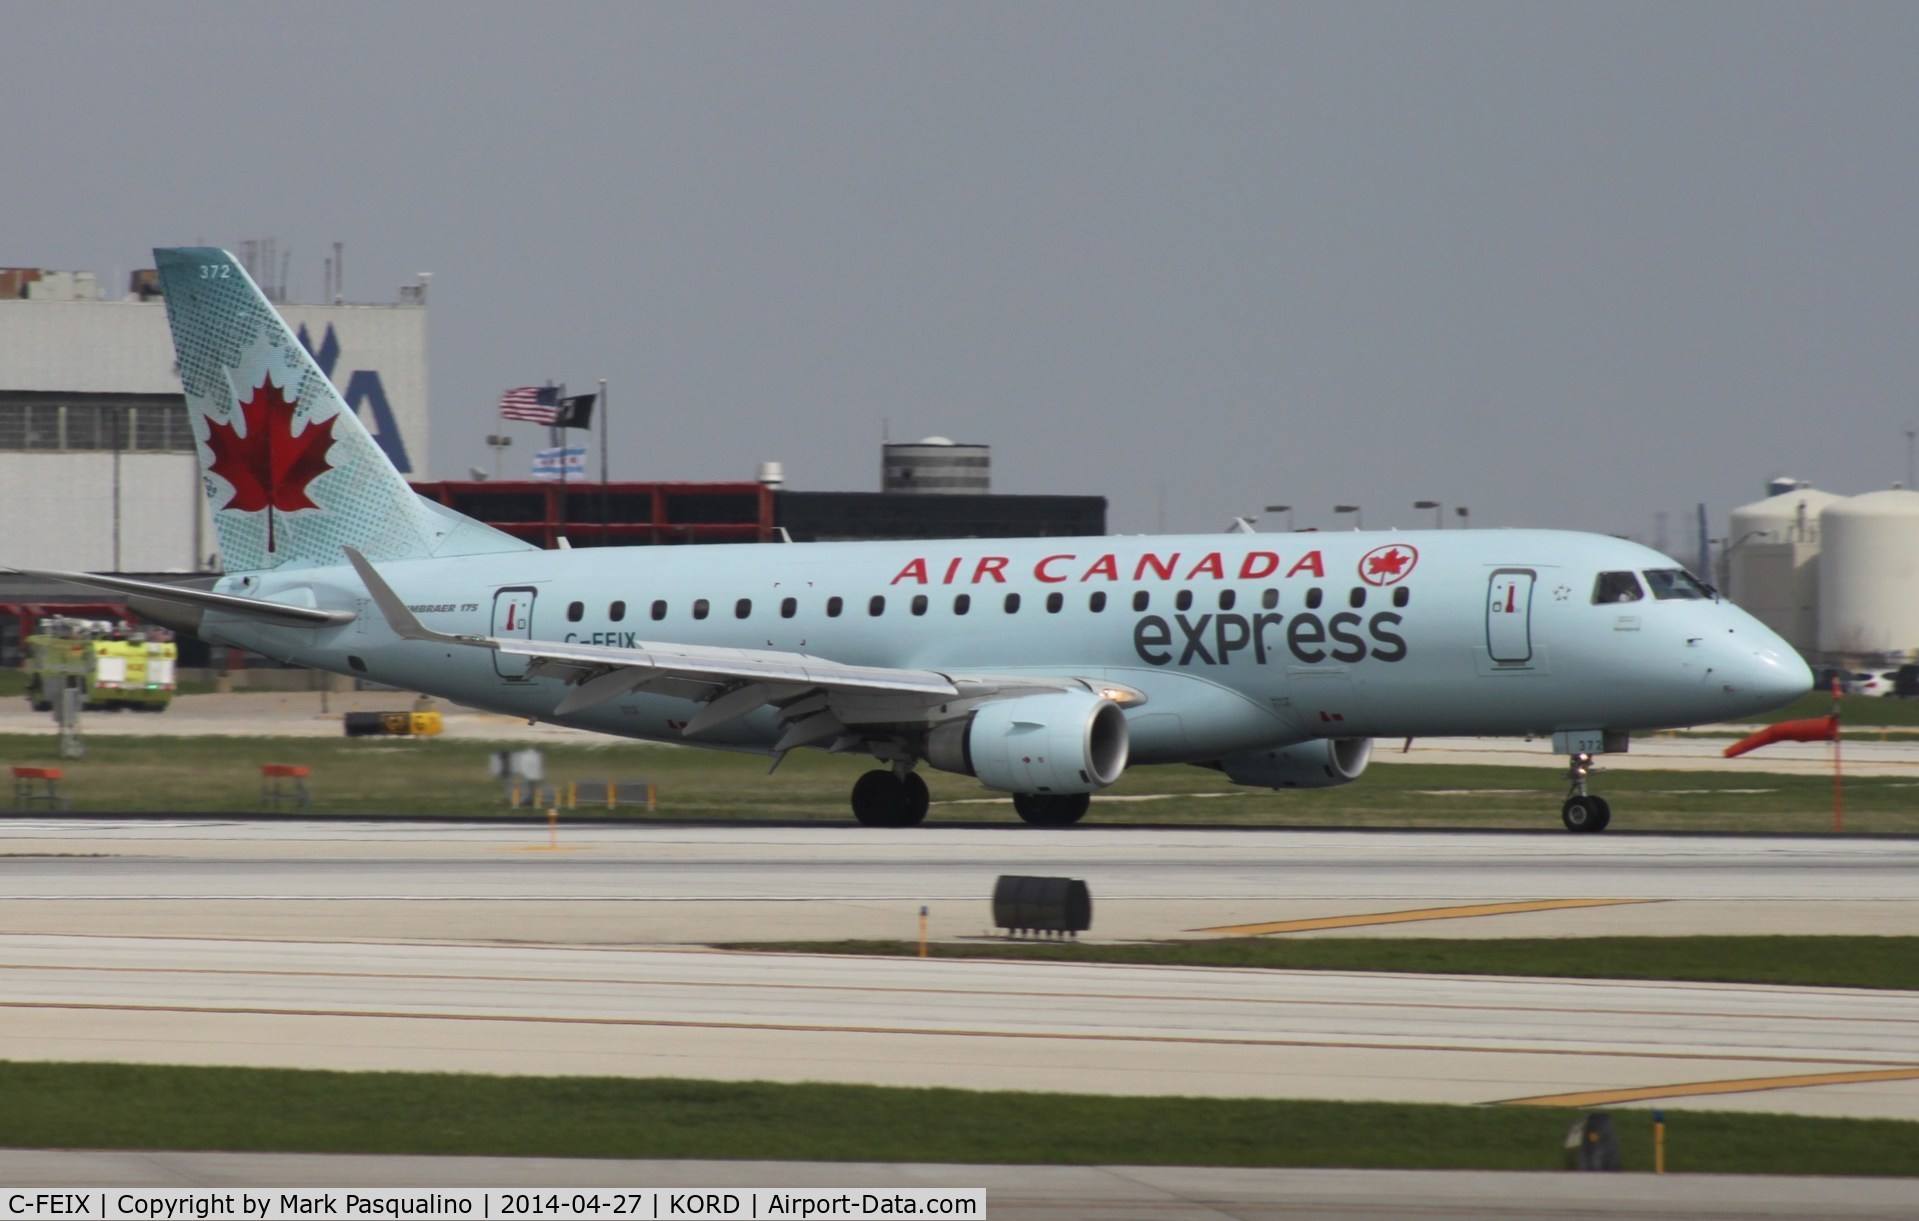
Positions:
(1670, 583)
(1616, 587)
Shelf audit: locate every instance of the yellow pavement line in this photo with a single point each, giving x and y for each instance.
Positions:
(1405, 917)
(1600, 1098)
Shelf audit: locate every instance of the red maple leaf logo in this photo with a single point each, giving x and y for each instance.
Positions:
(269, 468)
(1387, 565)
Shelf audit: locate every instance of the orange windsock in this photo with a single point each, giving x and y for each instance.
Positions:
(1812, 729)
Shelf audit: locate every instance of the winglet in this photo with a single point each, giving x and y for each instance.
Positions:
(404, 623)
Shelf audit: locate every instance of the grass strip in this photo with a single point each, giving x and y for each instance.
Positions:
(115, 1106)
(450, 777)
(1814, 962)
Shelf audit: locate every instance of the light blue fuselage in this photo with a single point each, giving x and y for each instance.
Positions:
(1244, 641)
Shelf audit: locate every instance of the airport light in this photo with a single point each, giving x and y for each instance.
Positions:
(1460, 512)
(1359, 519)
(1287, 510)
(1434, 506)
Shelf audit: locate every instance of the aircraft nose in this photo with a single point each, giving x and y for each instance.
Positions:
(1773, 675)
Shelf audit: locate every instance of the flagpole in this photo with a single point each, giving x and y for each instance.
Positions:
(606, 512)
(557, 437)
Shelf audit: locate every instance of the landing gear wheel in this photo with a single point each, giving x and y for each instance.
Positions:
(915, 800)
(1052, 809)
(876, 795)
(883, 799)
(1586, 815)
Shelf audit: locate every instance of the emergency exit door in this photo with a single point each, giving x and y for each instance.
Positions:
(1509, 616)
(512, 620)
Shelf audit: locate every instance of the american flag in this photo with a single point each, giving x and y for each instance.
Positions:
(534, 404)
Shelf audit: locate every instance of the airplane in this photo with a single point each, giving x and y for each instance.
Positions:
(1042, 667)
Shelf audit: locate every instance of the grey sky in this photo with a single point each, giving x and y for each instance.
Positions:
(1568, 264)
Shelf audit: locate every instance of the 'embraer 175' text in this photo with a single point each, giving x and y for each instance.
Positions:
(1070, 566)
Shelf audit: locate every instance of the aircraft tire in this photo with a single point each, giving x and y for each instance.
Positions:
(913, 809)
(1585, 815)
(880, 799)
(1052, 809)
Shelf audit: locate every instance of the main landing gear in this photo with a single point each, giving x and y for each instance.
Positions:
(1583, 812)
(1052, 809)
(884, 797)
(889, 797)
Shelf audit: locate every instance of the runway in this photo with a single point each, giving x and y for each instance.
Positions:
(992, 1025)
(481, 948)
(657, 884)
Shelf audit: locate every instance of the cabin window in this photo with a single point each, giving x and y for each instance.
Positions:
(789, 607)
(1616, 587)
(1402, 596)
(1054, 601)
(575, 611)
(1357, 598)
(1012, 603)
(1096, 601)
(1142, 600)
(659, 608)
(1226, 599)
(743, 608)
(1313, 598)
(962, 603)
(616, 612)
(919, 604)
(1676, 583)
(876, 605)
(700, 607)
(834, 605)
(1270, 599)
(1183, 600)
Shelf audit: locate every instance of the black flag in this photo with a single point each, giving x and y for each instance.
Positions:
(575, 412)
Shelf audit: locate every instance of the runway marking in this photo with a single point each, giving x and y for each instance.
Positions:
(946, 1032)
(1746, 1085)
(1016, 994)
(1407, 917)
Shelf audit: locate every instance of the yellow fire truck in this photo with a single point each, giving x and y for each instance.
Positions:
(114, 665)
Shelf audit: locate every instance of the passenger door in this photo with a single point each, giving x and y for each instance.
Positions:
(1509, 617)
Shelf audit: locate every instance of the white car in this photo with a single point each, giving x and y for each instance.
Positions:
(1871, 682)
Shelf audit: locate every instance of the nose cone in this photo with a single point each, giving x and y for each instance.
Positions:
(1773, 675)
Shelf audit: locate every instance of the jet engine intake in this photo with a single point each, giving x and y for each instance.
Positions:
(1319, 764)
(1059, 742)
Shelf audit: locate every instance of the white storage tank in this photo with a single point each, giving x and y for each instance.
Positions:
(1770, 565)
(1869, 575)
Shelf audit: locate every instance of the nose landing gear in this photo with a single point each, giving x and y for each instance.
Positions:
(1583, 812)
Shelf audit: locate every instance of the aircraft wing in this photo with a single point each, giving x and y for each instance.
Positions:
(819, 699)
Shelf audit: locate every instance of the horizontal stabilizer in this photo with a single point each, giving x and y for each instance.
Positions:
(277, 613)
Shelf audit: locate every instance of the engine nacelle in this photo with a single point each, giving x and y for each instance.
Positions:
(1059, 742)
(1319, 764)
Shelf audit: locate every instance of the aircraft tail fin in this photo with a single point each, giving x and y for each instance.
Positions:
(291, 474)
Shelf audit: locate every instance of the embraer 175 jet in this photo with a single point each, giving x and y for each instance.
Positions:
(1043, 667)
